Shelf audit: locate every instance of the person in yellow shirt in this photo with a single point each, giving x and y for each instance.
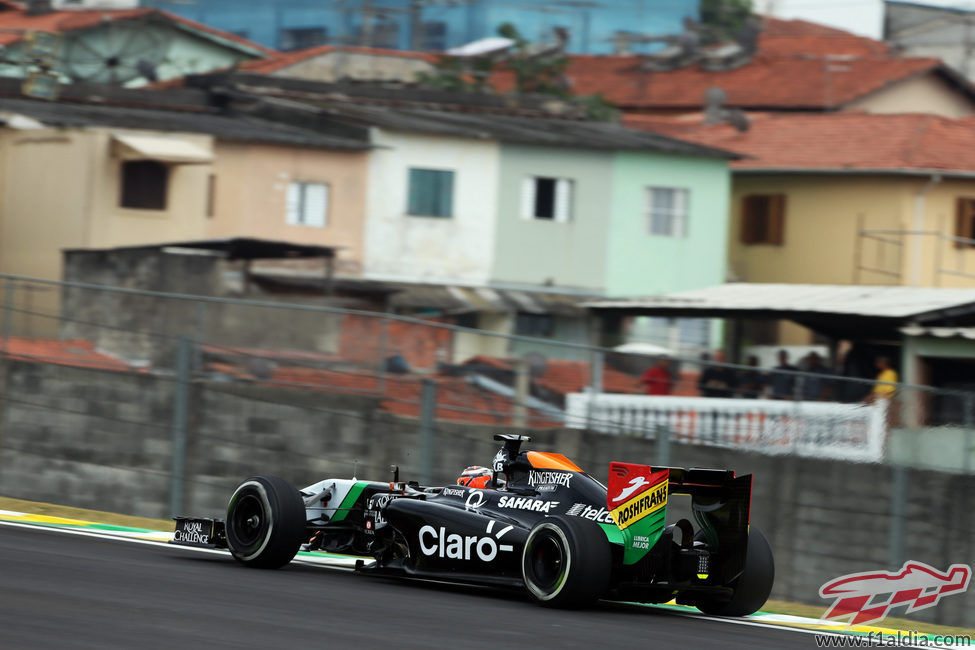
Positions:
(885, 386)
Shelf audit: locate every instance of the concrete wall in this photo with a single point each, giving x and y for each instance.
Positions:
(544, 251)
(927, 93)
(431, 249)
(251, 191)
(638, 263)
(822, 217)
(101, 439)
(338, 65)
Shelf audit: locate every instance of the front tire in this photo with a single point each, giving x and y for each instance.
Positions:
(566, 562)
(753, 586)
(265, 522)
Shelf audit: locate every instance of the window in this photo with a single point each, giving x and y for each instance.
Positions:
(298, 38)
(667, 211)
(763, 219)
(965, 221)
(433, 36)
(540, 325)
(211, 195)
(308, 204)
(546, 198)
(431, 193)
(145, 184)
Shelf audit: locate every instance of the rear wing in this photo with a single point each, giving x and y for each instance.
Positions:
(721, 505)
(720, 502)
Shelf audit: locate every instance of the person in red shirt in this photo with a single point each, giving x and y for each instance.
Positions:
(658, 379)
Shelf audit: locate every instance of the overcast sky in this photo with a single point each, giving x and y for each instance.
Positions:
(858, 16)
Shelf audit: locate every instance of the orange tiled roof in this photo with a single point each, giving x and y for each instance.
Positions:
(798, 65)
(77, 352)
(287, 59)
(67, 20)
(456, 399)
(832, 141)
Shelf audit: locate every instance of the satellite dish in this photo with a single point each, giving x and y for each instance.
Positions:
(116, 52)
(537, 364)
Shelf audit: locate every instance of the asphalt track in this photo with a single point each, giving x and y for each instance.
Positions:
(68, 591)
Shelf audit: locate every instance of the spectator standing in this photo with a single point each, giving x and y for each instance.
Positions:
(783, 385)
(715, 381)
(658, 378)
(751, 383)
(886, 380)
(816, 388)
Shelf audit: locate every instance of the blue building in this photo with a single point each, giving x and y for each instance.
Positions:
(432, 24)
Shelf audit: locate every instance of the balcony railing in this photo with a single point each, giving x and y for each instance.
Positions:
(813, 429)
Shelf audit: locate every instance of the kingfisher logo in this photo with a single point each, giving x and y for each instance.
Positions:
(868, 597)
(536, 477)
(437, 541)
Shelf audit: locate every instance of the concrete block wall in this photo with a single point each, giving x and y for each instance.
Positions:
(102, 439)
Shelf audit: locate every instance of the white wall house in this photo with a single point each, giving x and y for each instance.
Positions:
(431, 208)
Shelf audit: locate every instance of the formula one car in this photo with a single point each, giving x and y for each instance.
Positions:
(541, 524)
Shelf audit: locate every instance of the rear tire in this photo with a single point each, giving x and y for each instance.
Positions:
(265, 522)
(753, 586)
(566, 562)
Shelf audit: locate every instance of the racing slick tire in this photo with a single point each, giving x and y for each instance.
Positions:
(753, 586)
(265, 522)
(566, 562)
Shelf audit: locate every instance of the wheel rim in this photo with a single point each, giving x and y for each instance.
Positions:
(546, 563)
(248, 522)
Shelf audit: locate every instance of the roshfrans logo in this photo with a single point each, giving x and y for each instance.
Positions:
(635, 484)
(525, 503)
(434, 541)
(868, 597)
(586, 511)
(536, 477)
(640, 506)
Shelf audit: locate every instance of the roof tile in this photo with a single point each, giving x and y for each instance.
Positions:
(832, 141)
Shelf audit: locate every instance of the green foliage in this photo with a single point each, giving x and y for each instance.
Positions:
(723, 19)
(543, 75)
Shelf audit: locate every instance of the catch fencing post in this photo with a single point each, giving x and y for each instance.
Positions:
(897, 540)
(969, 433)
(181, 401)
(8, 298)
(428, 404)
(663, 445)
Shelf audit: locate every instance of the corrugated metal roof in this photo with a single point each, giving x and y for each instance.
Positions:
(940, 332)
(888, 302)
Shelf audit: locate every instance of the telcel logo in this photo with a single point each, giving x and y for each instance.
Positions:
(438, 542)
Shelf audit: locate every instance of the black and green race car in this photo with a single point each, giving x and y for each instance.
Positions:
(542, 525)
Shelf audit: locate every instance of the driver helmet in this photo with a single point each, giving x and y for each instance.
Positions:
(475, 476)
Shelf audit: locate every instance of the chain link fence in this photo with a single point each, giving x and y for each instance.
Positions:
(157, 404)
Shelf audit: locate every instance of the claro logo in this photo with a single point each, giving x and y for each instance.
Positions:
(436, 541)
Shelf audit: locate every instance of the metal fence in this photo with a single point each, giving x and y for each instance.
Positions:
(437, 371)
(156, 403)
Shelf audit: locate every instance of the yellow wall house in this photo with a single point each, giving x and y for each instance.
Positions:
(847, 198)
(84, 176)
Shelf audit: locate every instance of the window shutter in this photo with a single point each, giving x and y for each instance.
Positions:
(964, 216)
(680, 213)
(293, 203)
(528, 197)
(445, 194)
(776, 219)
(315, 208)
(563, 200)
(748, 205)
